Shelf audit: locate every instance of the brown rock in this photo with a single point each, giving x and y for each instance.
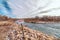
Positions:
(14, 32)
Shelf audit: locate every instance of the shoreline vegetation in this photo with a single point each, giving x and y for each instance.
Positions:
(43, 19)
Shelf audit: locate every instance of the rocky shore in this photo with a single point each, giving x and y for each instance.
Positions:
(13, 31)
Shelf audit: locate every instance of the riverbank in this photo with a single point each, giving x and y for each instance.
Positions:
(43, 19)
(43, 22)
(13, 31)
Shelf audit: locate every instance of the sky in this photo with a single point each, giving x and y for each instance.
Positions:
(29, 8)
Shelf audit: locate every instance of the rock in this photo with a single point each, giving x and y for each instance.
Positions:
(14, 32)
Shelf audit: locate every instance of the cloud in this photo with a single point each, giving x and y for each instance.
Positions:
(22, 8)
(26, 8)
(5, 9)
(5, 4)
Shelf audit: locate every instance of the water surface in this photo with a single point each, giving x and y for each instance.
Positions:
(47, 28)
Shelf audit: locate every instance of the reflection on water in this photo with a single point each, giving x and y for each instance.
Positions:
(48, 28)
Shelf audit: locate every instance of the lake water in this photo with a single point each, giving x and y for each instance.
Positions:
(52, 29)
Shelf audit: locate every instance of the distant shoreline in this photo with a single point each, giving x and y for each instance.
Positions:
(42, 22)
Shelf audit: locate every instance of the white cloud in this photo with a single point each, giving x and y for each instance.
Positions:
(23, 8)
